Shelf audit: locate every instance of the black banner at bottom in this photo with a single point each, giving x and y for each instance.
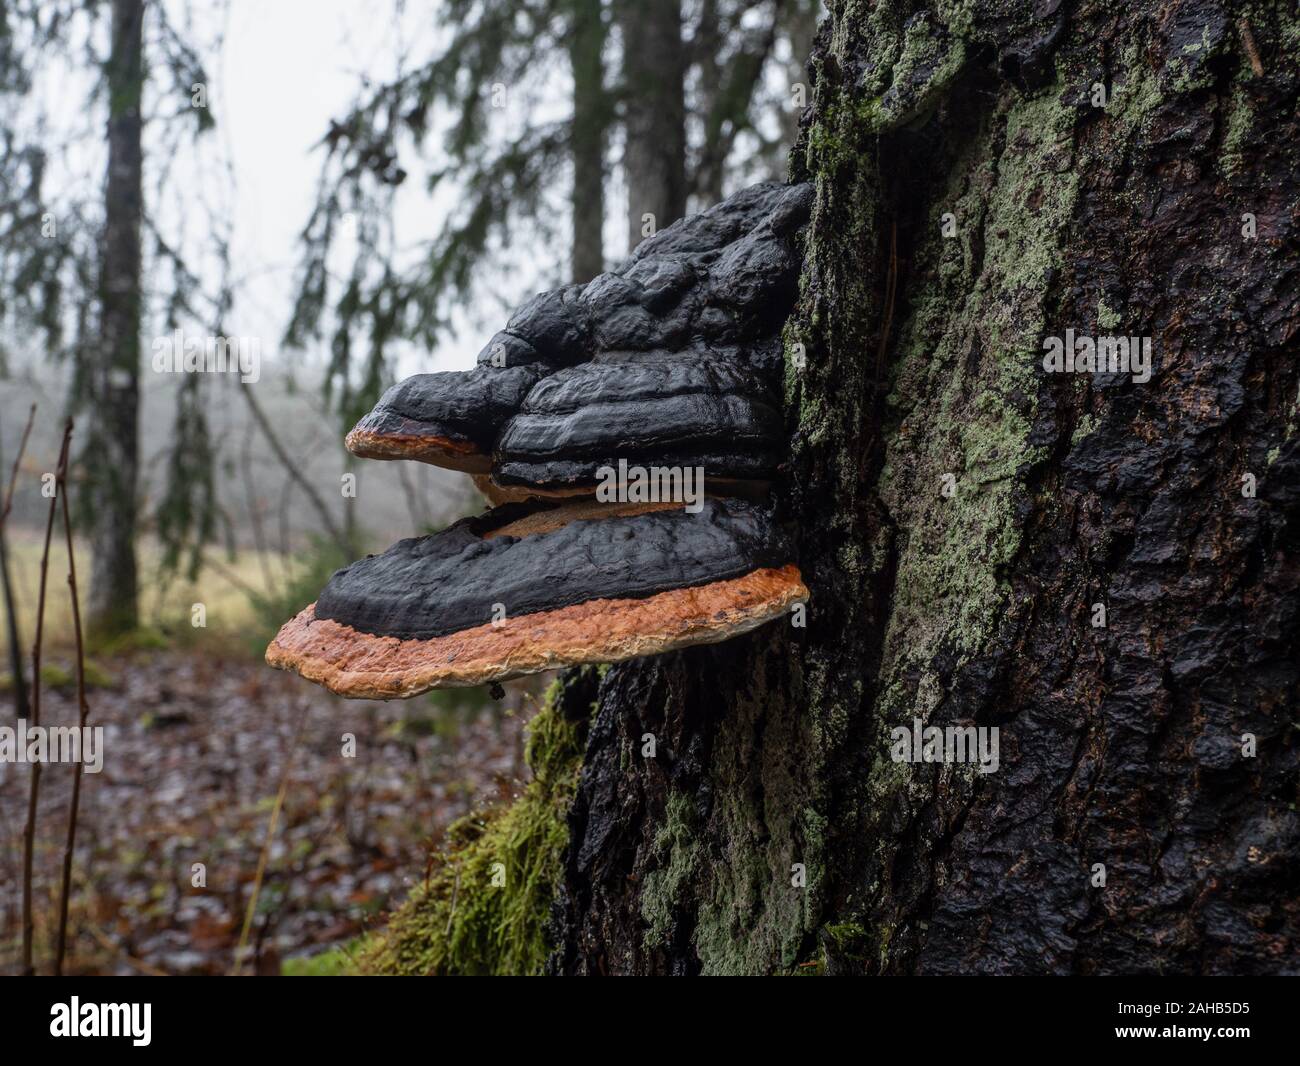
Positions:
(337, 1015)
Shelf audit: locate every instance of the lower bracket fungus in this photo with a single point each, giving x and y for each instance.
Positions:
(671, 363)
(425, 614)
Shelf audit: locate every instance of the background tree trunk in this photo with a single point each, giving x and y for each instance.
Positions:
(1120, 746)
(114, 371)
(590, 118)
(728, 80)
(654, 69)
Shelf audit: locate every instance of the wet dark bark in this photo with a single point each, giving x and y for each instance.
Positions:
(114, 371)
(1121, 746)
(654, 157)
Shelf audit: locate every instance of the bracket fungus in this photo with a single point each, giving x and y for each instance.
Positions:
(670, 363)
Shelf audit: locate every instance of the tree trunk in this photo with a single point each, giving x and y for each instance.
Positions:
(590, 117)
(113, 454)
(960, 511)
(654, 160)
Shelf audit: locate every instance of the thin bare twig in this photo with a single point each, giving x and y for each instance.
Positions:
(83, 713)
(18, 458)
(327, 518)
(266, 845)
(255, 518)
(29, 829)
(286, 494)
(121, 953)
(891, 292)
(1252, 51)
(451, 913)
(238, 582)
(15, 641)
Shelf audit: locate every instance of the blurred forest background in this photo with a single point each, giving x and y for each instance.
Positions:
(361, 192)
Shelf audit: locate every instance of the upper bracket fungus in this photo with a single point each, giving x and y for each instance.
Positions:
(670, 364)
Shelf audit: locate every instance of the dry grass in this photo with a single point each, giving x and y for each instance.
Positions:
(166, 605)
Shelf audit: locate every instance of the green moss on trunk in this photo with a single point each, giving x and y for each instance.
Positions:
(484, 907)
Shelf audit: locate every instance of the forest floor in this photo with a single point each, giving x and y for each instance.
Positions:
(200, 733)
(200, 736)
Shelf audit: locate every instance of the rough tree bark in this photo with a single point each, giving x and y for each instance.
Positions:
(958, 150)
(590, 119)
(654, 158)
(114, 371)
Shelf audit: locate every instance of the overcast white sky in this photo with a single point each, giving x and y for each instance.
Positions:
(288, 67)
(285, 69)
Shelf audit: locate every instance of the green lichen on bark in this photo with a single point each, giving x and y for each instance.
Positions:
(484, 907)
(962, 369)
(677, 851)
(965, 387)
(745, 914)
(965, 377)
